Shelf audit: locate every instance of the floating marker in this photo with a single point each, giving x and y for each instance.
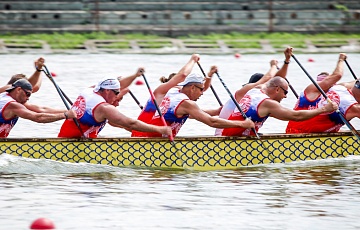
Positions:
(237, 55)
(138, 82)
(42, 223)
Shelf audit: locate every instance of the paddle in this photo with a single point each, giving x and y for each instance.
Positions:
(292, 89)
(352, 72)
(211, 87)
(136, 100)
(353, 130)
(48, 74)
(61, 94)
(236, 103)
(157, 107)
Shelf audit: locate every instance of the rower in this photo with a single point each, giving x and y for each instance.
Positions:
(14, 104)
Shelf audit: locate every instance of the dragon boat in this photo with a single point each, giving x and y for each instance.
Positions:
(193, 153)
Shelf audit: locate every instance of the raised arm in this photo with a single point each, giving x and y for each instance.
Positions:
(126, 81)
(330, 80)
(35, 79)
(270, 74)
(207, 83)
(162, 89)
(282, 72)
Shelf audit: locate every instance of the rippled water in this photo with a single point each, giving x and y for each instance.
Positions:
(321, 194)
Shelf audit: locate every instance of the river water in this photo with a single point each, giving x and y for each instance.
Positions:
(323, 194)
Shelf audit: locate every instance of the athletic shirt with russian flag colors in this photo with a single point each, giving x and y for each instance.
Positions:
(326, 122)
(225, 113)
(168, 107)
(84, 106)
(6, 124)
(146, 115)
(250, 105)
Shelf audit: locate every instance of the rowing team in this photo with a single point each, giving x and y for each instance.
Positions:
(323, 106)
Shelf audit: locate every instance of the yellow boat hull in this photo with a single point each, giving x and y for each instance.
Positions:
(196, 153)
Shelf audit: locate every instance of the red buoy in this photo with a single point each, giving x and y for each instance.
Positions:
(311, 60)
(138, 82)
(237, 55)
(42, 223)
(53, 74)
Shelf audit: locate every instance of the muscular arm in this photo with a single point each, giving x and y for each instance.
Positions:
(348, 85)
(43, 109)
(312, 92)
(282, 72)
(162, 89)
(213, 112)
(3, 88)
(35, 79)
(353, 112)
(191, 108)
(117, 119)
(17, 109)
(270, 74)
(126, 81)
(274, 109)
(207, 82)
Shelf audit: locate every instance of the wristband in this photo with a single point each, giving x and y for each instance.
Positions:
(285, 62)
(39, 70)
(66, 116)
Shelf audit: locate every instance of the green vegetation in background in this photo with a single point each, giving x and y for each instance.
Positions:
(242, 44)
(113, 45)
(278, 40)
(23, 43)
(154, 44)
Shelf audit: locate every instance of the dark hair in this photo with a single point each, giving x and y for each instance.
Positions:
(164, 79)
(255, 77)
(357, 84)
(15, 78)
(324, 73)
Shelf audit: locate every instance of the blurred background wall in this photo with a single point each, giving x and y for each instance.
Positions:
(180, 17)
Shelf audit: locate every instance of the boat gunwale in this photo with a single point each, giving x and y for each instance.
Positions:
(180, 138)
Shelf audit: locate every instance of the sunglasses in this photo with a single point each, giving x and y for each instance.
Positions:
(285, 91)
(27, 93)
(115, 91)
(201, 88)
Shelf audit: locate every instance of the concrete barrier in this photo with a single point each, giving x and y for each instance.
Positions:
(179, 17)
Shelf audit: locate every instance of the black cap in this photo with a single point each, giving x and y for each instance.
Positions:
(23, 83)
(255, 77)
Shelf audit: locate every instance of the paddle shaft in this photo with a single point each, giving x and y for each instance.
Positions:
(60, 92)
(353, 130)
(48, 74)
(211, 87)
(292, 89)
(236, 103)
(136, 100)
(352, 72)
(66, 97)
(157, 107)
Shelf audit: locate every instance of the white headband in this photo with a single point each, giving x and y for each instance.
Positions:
(107, 84)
